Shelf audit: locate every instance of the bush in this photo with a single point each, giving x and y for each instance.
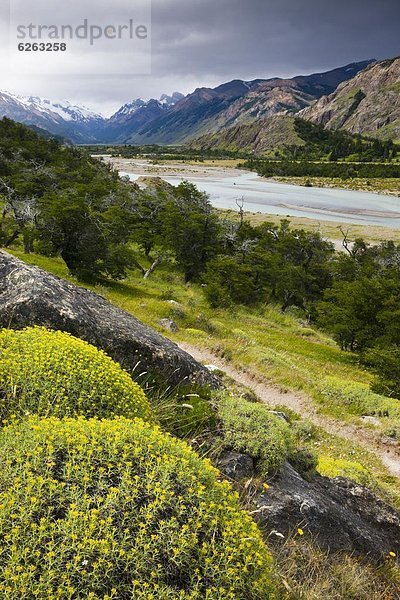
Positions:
(386, 363)
(358, 399)
(252, 429)
(117, 509)
(304, 461)
(337, 467)
(50, 373)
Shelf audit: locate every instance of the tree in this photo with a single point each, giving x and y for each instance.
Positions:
(350, 310)
(386, 364)
(191, 230)
(92, 242)
(229, 282)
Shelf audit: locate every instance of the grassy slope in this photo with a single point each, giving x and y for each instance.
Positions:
(300, 357)
(261, 136)
(277, 347)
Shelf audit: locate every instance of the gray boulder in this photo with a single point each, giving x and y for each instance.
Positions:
(169, 325)
(338, 514)
(31, 296)
(236, 466)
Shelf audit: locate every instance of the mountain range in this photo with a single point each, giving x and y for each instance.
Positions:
(257, 109)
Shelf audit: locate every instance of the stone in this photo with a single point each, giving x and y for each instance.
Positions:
(212, 368)
(371, 420)
(30, 296)
(169, 325)
(279, 415)
(338, 514)
(236, 466)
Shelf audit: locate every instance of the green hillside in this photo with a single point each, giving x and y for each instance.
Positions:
(297, 331)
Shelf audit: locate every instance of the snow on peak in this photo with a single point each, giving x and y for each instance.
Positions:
(55, 110)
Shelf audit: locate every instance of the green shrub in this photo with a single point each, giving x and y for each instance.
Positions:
(117, 509)
(358, 399)
(251, 428)
(196, 332)
(52, 373)
(337, 467)
(184, 412)
(386, 364)
(304, 461)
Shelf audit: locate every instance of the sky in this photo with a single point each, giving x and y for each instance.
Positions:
(189, 44)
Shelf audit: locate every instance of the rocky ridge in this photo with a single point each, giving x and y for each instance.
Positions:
(368, 104)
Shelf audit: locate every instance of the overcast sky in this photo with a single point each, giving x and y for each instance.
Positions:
(204, 43)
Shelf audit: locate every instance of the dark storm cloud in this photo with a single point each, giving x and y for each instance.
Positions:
(206, 42)
(271, 36)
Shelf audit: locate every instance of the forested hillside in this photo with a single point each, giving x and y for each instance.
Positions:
(294, 138)
(61, 202)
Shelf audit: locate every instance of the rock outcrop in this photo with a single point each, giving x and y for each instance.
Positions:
(339, 514)
(236, 466)
(368, 104)
(31, 296)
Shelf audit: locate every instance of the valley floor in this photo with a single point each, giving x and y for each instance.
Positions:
(388, 187)
(360, 203)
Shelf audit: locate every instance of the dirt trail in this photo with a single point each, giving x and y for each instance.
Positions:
(272, 395)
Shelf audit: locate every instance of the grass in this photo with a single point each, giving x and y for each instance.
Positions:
(308, 573)
(278, 346)
(373, 234)
(388, 186)
(358, 399)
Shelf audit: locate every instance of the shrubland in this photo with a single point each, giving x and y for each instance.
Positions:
(253, 295)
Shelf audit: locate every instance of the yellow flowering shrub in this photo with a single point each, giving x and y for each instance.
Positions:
(117, 509)
(338, 467)
(52, 373)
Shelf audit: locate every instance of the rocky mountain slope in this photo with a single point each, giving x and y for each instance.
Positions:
(259, 137)
(177, 119)
(369, 103)
(209, 110)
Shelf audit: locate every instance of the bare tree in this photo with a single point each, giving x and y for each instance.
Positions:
(346, 242)
(240, 204)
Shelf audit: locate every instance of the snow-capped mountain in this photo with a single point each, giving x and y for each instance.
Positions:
(61, 118)
(80, 124)
(135, 115)
(171, 100)
(128, 110)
